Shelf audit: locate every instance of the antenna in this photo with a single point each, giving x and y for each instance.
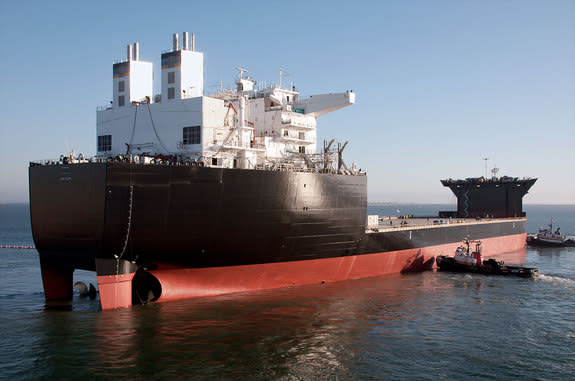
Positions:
(282, 73)
(485, 158)
(242, 71)
(494, 171)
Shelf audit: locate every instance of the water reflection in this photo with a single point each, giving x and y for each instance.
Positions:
(305, 332)
(552, 251)
(349, 330)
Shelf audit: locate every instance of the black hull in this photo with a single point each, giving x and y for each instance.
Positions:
(538, 243)
(408, 238)
(199, 217)
(209, 217)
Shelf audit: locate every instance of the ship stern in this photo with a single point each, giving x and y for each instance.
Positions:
(67, 213)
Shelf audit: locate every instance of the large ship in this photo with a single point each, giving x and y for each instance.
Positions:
(192, 195)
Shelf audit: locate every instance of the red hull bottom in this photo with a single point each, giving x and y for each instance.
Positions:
(181, 283)
(115, 290)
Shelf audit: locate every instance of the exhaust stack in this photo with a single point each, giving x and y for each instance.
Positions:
(185, 42)
(136, 51)
(176, 42)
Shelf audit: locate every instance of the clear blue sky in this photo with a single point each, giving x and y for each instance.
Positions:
(439, 84)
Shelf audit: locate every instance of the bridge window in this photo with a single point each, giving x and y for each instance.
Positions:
(104, 143)
(191, 135)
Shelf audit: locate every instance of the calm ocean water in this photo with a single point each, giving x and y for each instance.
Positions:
(417, 326)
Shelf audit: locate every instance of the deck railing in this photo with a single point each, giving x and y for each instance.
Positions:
(167, 161)
(417, 224)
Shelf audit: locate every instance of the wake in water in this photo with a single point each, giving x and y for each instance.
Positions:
(558, 280)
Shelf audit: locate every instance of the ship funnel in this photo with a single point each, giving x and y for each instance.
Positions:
(136, 51)
(130, 54)
(193, 42)
(176, 42)
(185, 44)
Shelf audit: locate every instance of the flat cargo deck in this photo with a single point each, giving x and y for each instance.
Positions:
(388, 224)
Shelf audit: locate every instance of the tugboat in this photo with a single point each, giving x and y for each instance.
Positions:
(548, 237)
(468, 261)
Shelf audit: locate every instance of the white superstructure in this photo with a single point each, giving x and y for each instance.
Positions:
(248, 127)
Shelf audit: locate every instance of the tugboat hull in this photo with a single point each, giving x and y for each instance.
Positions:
(489, 267)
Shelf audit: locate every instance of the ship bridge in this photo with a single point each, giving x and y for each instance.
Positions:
(252, 126)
